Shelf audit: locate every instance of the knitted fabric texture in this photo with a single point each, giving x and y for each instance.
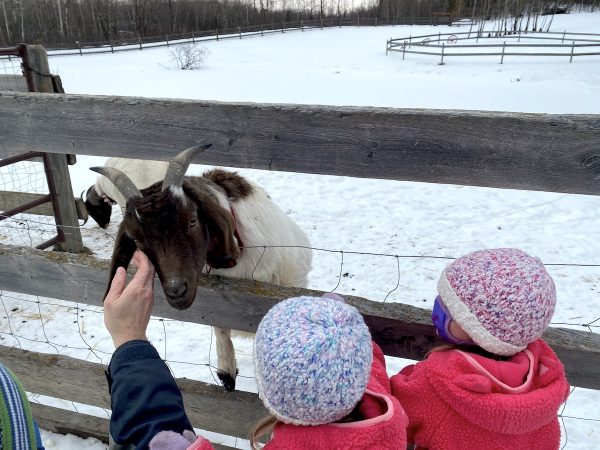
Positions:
(502, 298)
(16, 423)
(312, 360)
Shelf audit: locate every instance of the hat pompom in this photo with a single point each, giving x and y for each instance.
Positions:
(312, 360)
(503, 298)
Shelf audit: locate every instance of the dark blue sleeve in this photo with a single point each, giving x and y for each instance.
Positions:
(144, 396)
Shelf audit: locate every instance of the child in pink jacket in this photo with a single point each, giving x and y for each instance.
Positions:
(323, 380)
(498, 386)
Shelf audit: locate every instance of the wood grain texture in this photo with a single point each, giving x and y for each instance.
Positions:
(510, 150)
(65, 209)
(63, 421)
(401, 330)
(10, 200)
(13, 83)
(39, 68)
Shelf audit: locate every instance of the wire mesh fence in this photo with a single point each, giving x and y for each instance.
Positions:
(26, 177)
(11, 72)
(74, 329)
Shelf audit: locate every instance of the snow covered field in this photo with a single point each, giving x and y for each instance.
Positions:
(349, 67)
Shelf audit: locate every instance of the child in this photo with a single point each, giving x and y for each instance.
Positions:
(498, 386)
(323, 380)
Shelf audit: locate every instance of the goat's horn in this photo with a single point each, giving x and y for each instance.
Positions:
(120, 180)
(179, 165)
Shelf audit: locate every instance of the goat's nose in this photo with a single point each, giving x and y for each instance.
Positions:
(175, 287)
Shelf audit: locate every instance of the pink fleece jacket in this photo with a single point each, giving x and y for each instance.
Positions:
(455, 399)
(383, 425)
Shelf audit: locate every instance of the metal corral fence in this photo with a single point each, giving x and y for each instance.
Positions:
(443, 45)
(135, 42)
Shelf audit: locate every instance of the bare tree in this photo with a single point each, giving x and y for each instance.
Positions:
(189, 56)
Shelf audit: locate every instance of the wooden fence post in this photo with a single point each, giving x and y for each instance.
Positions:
(572, 50)
(442, 61)
(37, 60)
(65, 210)
(502, 58)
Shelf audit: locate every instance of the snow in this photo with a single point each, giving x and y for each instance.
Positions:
(348, 66)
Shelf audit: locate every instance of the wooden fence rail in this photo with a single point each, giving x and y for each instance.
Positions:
(547, 152)
(401, 330)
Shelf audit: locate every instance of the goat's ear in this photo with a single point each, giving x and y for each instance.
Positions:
(223, 250)
(123, 252)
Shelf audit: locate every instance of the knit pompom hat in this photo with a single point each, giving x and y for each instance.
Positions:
(312, 359)
(502, 298)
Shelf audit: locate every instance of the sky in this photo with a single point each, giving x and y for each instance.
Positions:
(349, 66)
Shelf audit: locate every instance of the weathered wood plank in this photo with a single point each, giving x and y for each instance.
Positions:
(36, 63)
(63, 421)
(65, 209)
(509, 150)
(10, 200)
(208, 406)
(13, 83)
(401, 330)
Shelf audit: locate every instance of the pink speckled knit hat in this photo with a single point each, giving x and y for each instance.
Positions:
(503, 298)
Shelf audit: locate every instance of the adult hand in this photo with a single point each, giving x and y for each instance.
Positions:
(127, 308)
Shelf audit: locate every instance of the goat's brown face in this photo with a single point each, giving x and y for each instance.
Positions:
(165, 225)
(180, 229)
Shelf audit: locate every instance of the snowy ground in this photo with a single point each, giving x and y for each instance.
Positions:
(349, 67)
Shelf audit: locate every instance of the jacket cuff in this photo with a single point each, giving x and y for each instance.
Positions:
(130, 351)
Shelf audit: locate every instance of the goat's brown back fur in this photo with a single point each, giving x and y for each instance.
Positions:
(234, 185)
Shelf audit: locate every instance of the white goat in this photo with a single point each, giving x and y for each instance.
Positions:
(103, 194)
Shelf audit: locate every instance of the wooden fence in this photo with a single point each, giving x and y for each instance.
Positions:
(444, 45)
(139, 43)
(59, 202)
(507, 150)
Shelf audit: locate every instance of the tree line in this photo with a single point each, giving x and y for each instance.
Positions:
(66, 21)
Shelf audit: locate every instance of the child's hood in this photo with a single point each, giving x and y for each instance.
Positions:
(515, 396)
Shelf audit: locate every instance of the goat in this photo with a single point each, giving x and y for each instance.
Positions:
(101, 195)
(219, 222)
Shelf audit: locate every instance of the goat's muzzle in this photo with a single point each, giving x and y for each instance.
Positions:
(175, 290)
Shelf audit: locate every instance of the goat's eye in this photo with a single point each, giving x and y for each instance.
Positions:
(193, 222)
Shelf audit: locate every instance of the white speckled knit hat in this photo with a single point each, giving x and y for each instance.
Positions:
(502, 298)
(312, 359)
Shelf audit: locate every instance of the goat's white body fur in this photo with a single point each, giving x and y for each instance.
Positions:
(142, 172)
(262, 227)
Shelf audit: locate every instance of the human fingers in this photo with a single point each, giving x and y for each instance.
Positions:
(145, 272)
(117, 284)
